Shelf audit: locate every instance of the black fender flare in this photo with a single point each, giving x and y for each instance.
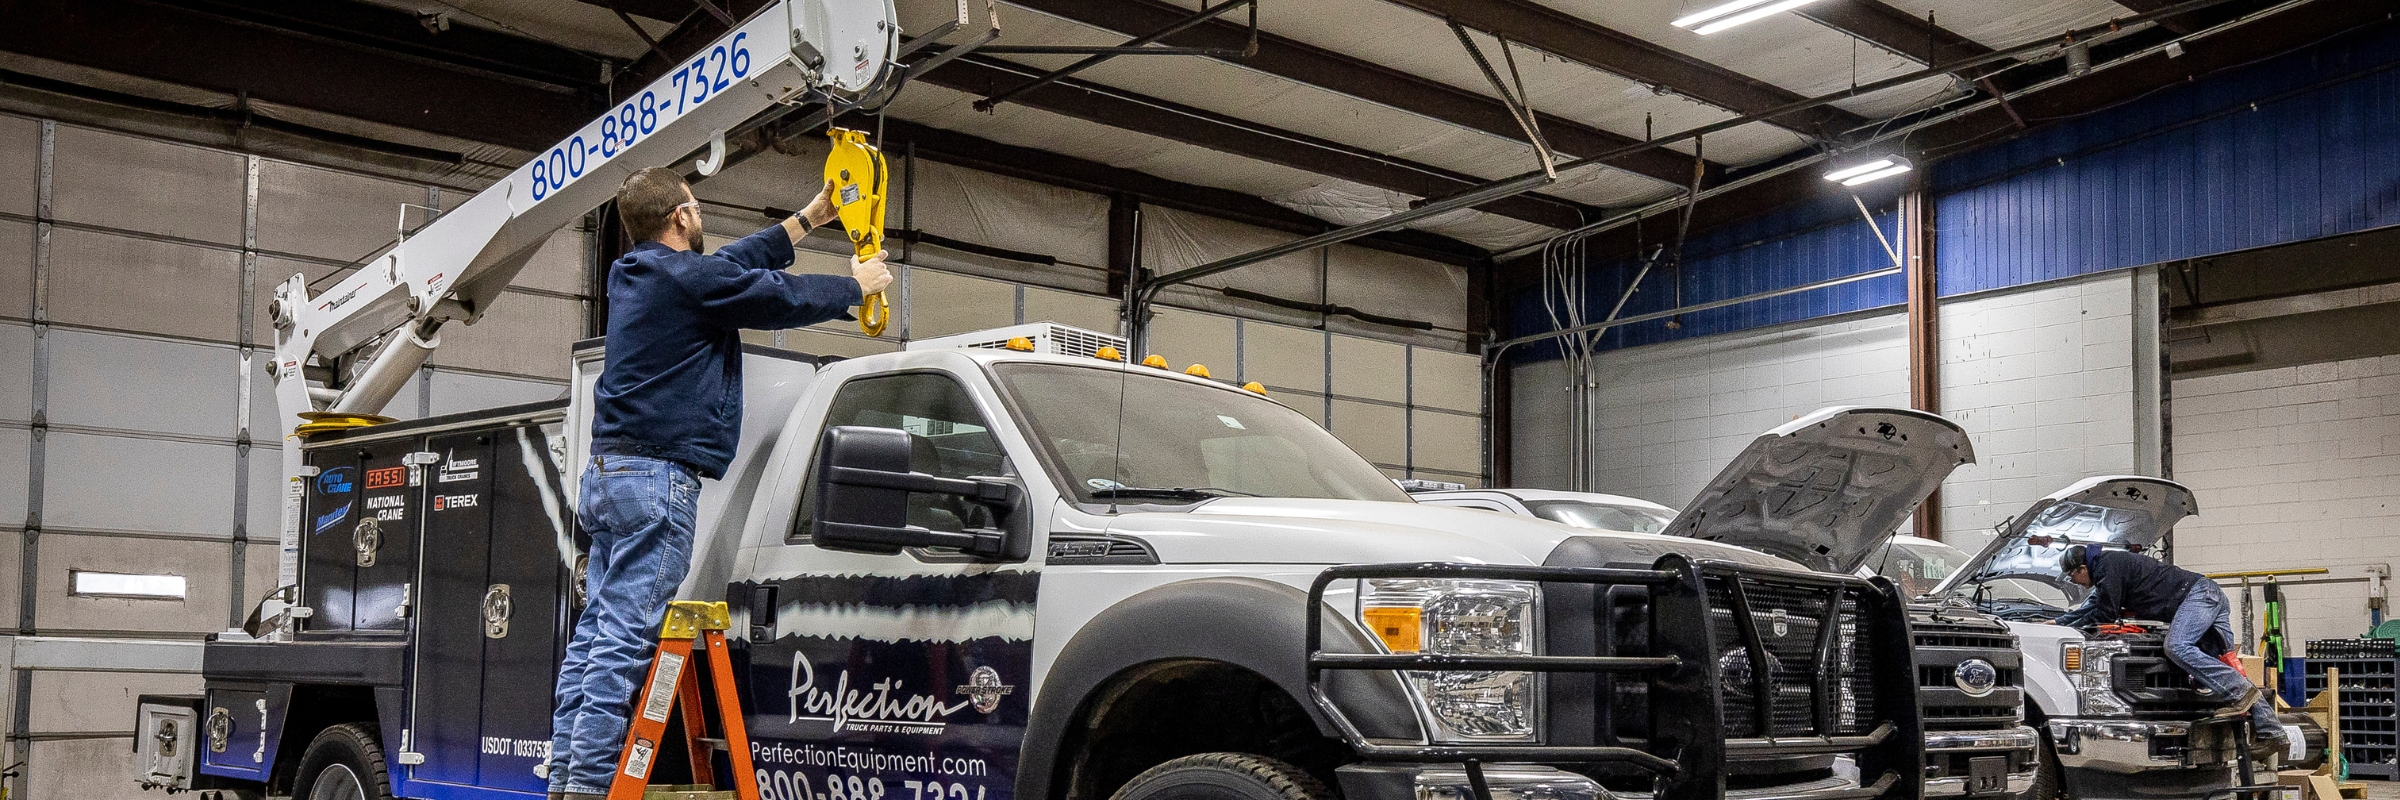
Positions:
(1254, 624)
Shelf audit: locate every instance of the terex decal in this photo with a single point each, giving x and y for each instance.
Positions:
(907, 687)
(387, 478)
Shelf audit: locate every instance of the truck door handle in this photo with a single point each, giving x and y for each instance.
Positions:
(762, 614)
(496, 610)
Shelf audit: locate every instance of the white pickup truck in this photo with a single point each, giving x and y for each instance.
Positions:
(998, 567)
(2118, 720)
(1969, 670)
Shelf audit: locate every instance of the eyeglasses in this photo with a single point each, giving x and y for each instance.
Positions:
(693, 204)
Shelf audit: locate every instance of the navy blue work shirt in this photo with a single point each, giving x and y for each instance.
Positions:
(672, 387)
(2131, 585)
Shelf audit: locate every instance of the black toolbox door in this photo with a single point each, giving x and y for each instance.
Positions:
(329, 567)
(451, 627)
(383, 544)
(532, 555)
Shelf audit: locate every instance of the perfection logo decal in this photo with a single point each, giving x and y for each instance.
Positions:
(455, 469)
(885, 706)
(387, 478)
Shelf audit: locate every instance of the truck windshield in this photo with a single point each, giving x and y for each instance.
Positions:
(1920, 564)
(1602, 516)
(1182, 443)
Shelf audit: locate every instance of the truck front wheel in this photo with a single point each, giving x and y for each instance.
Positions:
(344, 762)
(1223, 776)
(2046, 783)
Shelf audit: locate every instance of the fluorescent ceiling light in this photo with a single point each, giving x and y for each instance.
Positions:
(1875, 170)
(119, 584)
(1735, 13)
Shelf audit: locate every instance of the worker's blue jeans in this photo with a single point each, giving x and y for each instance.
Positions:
(2204, 608)
(639, 512)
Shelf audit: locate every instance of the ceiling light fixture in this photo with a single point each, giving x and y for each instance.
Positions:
(1870, 171)
(1735, 13)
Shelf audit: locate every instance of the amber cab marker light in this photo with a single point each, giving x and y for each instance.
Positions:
(1155, 360)
(1108, 354)
(1020, 344)
(1196, 370)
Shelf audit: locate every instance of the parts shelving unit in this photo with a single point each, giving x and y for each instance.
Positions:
(2370, 728)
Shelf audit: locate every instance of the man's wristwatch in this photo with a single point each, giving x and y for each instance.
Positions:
(805, 227)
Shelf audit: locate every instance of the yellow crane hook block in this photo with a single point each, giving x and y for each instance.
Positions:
(857, 172)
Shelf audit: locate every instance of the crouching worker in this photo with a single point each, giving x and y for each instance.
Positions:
(667, 413)
(2127, 584)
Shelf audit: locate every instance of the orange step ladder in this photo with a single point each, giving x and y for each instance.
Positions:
(674, 681)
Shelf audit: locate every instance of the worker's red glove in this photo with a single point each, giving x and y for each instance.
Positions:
(2232, 658)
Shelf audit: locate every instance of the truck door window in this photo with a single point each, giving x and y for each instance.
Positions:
(947, 432)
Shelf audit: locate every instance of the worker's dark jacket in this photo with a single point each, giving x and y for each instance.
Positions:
(673, 385)
(2131, 585)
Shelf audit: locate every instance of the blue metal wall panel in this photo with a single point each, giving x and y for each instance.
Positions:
(2302, 146)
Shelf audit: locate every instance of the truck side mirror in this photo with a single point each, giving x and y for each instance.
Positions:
(863, 483)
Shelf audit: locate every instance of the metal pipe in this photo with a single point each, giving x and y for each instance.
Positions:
(1489, 192)
(1730, 301)
(1104, 54)
(1110, 51)
(408, 349)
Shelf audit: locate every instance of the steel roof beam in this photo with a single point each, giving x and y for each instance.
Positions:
(1892, 29)
(983, 77)
(1307, 64)
(1582, 41)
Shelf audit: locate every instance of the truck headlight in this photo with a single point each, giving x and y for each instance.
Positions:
(1461, 617)
(2091, 667)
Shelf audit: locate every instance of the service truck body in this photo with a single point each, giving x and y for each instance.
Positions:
(1132, 627)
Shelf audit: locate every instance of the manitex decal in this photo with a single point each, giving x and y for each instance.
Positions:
(893, 687)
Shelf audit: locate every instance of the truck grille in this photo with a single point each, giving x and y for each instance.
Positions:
(1788, 619)
(1943, 642)
(2155, 686)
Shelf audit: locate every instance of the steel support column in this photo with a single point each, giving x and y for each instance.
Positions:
(1924, 332)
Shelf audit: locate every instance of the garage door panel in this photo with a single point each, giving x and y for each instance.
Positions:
(134, 383)
(526, 334)
(16, 446)
(942, 304)
(1186, 338)
(1368, 368)
(20, 164)
(119, 483)
(1441, 379)
(328, 214)
(16, 371)
(206, 568)
(96, 702)
(1089, 312)
(16, 269)
(264, 517)
(1448, 442)
(109, 281)
(558, 265)
(1283, 357)
(1377, 432)
(147, 185)
(454, 392)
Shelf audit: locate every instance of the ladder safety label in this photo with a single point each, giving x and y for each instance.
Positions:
(661, 694)
(637, 762)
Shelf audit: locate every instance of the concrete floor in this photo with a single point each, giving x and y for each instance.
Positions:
(2382, 789)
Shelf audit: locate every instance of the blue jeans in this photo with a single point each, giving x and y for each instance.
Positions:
(2204, 609)
(639, 512)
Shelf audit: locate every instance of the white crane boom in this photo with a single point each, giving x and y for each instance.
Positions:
(792, 52)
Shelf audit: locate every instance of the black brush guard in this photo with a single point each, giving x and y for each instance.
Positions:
(1686, 751)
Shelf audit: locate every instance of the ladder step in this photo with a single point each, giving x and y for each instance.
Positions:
(679, 793)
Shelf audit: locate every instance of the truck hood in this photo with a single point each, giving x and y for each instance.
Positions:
(1245, 530)
(1827, 489)
(2120, 512)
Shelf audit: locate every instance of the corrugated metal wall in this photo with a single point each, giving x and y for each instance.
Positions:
(2301, 146)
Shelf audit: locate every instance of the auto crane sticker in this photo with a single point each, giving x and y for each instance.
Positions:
(893, 687)
(334, 481)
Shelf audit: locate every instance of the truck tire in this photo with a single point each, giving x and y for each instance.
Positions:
(1223, 776)
(2046, 780)
(344, 762)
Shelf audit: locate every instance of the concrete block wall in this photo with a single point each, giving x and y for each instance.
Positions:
(2044, 380)
(2295, 467)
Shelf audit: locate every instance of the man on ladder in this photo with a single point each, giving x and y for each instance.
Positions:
(666, 413)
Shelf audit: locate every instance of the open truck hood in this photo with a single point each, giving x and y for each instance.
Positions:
(2120, 512)
(1827, 489)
